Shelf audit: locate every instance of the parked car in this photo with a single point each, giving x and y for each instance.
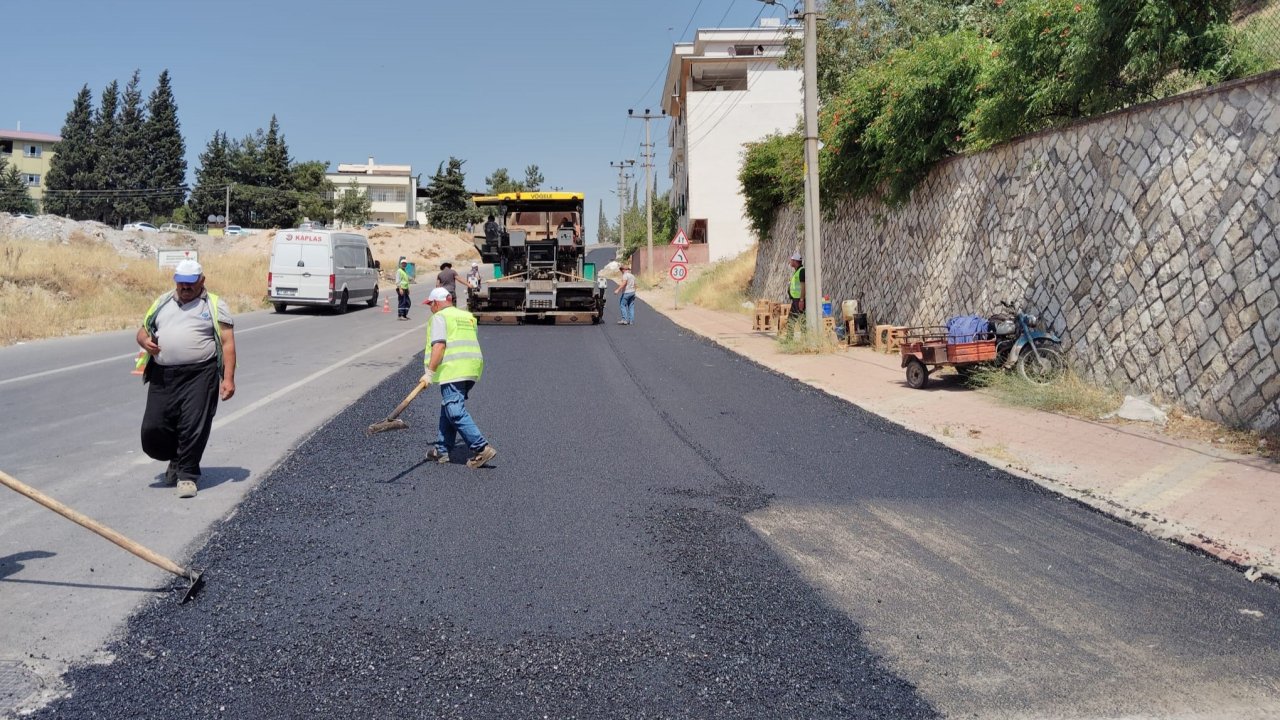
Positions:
(174, 227)
(234, 230)
(412, 224)
(143, 226)
(369, 225)
(24, 216)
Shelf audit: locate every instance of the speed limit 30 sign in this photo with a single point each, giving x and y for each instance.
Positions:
(679, 272)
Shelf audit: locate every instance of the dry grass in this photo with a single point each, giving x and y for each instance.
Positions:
(724, 285)
(1071, 395)
(50, 290)
(797, 339)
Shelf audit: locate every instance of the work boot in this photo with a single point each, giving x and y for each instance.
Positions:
(171, 474)
(186, 488)
(434, 455)
(485, 454)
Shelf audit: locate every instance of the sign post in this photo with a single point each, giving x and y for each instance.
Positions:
(679, 262)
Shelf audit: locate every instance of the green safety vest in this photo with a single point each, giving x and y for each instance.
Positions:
(149, 322)
(402, 278)
(462, 357)
(794, 289)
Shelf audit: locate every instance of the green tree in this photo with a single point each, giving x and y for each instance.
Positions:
(105, 179)
(72, 168)
(277, 206)
(166, 150)
(245, 173)
(353, 206)
(213, 174)
(532, 178)
(13, 190)
(313, 190)
(500, 182)
(130, 158)
(449, 197)
(602, 225)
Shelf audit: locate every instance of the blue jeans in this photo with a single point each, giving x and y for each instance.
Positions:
(455, 420)
(627, 306)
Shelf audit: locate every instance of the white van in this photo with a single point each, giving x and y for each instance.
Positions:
(321, 267)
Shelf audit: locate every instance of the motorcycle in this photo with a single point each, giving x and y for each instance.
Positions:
(1021, 342)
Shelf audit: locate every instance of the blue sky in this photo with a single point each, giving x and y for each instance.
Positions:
(501, 83)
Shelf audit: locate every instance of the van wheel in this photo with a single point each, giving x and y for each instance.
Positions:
(280, 307)
(374, 299)
(342, 304)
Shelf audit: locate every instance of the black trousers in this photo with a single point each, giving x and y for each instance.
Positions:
(402, 302)
(181, 401)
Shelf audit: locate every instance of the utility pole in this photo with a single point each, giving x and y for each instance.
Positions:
(648, 166)
(812, 210)
(622, 166)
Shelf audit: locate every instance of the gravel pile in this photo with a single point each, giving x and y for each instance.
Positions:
(133, 243)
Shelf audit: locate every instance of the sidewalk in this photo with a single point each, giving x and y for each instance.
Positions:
(1224, 504)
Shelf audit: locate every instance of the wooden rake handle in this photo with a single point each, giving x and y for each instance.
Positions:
(422, 385)
(87, 522)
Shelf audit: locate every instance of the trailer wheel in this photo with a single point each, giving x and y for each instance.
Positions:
(917, 374)
(280, 307)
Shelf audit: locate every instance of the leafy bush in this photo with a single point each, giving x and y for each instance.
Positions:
(772, 177)
(895, 119)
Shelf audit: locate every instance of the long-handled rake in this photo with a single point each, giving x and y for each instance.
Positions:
(393, 421)
(85, 521)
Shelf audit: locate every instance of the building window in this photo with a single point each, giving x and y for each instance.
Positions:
(720, 78)
(31, 179)
(31, 151)
(387, 194)
(6, 147)
(746, 50)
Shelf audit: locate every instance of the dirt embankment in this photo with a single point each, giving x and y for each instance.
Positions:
(425, 247)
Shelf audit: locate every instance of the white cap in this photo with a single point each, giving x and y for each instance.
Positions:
(188, 271)
(438, 295)
(475, 264)
(797, 257)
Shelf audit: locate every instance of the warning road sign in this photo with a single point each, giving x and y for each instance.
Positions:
(680, 239)
(679, 257)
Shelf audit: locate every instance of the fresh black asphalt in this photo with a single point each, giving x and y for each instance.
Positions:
(602, 567)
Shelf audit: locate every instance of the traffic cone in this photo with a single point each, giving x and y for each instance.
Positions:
(386, 305)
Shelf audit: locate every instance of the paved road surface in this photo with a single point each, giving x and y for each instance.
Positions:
(671, 531)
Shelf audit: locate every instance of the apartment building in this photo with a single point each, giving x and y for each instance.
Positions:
(31, 153)
(392, 189)
(724, 89)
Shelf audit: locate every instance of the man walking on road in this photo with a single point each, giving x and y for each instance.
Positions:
(402, 290)
(627, 289)
(455, 363)
(448, 279)
(190, 364)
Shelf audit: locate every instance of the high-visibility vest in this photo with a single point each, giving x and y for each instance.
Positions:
(149, 322)
(462, 357)
(794, 289)
(402, 278)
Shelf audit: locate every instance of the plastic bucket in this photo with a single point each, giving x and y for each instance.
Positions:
(826, 309)
(589, 271)
(849, 308)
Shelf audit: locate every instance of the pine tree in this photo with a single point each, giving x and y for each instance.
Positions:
(13, 190)
(165, 148)
(208, 197)
(131, 158)
(277, 204)
(449, 197)
(74, 160)
(602, 226)
(105, 180)
(500, 182)
(245, 175)
(532, 178)
(313, 190)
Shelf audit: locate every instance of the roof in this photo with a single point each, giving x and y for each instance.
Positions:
(365, 169)
(24, 135)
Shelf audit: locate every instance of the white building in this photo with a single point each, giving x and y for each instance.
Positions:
(392, 189)
(725, 89)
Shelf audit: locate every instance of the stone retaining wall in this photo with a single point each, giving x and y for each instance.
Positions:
(1147, 238)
